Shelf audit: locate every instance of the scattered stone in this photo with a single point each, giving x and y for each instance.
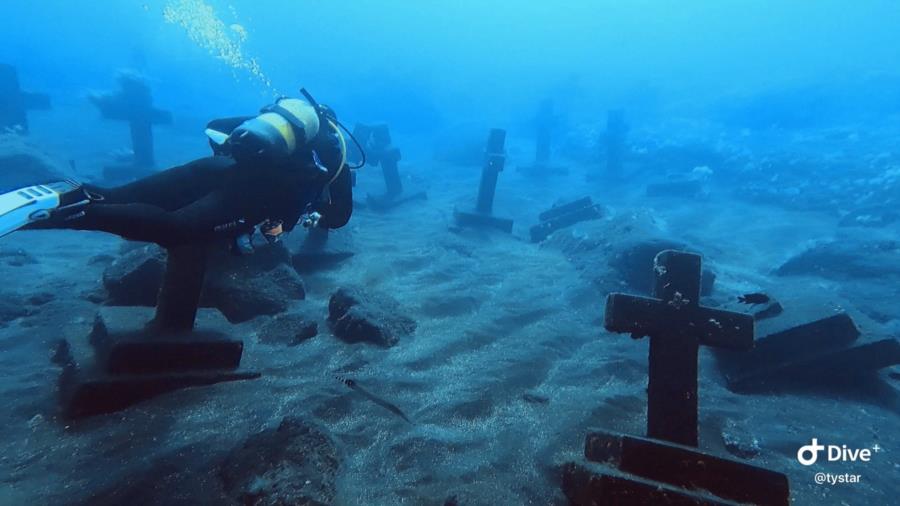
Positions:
(247, 293)
(295, 464)
(356, 316)
(846, 259)
(738, 440)
(134, 278)
(288, 329)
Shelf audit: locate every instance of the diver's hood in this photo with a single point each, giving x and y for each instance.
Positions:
(276, 133)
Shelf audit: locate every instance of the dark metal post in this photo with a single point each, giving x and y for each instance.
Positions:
(493, 165)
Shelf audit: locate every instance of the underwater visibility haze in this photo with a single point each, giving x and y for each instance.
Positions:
(449, 253)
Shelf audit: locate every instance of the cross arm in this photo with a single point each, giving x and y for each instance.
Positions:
(646, 316)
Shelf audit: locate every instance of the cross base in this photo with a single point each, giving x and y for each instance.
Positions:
(622, 470)
(123, 362)
(481, 220)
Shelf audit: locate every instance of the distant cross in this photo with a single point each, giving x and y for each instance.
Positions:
(134, 104)
(15, 103)
(677, 325)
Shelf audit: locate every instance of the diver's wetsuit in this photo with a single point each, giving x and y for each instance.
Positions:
(217, 197)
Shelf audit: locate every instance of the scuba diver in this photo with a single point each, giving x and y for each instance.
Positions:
(268, 173)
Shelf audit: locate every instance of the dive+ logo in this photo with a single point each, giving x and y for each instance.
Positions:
(809, 454)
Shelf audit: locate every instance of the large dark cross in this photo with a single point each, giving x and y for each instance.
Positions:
(15, 103)
(134, 103)
(677, 325)
(494, 161)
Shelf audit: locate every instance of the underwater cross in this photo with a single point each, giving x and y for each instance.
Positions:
(677, 325)
(134, 104)
(15, 103)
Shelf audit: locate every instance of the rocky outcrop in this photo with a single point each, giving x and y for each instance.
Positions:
(360, 317)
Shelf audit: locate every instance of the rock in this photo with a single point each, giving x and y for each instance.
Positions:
(295, 464)
(846, 259)
(134, 278)
(288, 329)
(241, 287)
(738, 440)
(16, 257)
(244, 294)
(22, 164)
(356, 316)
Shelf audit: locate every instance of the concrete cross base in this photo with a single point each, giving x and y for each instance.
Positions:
(481, 220)
(624, 469)
(124, 361)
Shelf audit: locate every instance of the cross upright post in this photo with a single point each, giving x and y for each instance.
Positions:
(677, 326)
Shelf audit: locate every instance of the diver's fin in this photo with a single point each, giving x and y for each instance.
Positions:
(216, 136)
(21, 207)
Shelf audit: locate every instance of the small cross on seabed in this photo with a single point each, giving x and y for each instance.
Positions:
(677, 325)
